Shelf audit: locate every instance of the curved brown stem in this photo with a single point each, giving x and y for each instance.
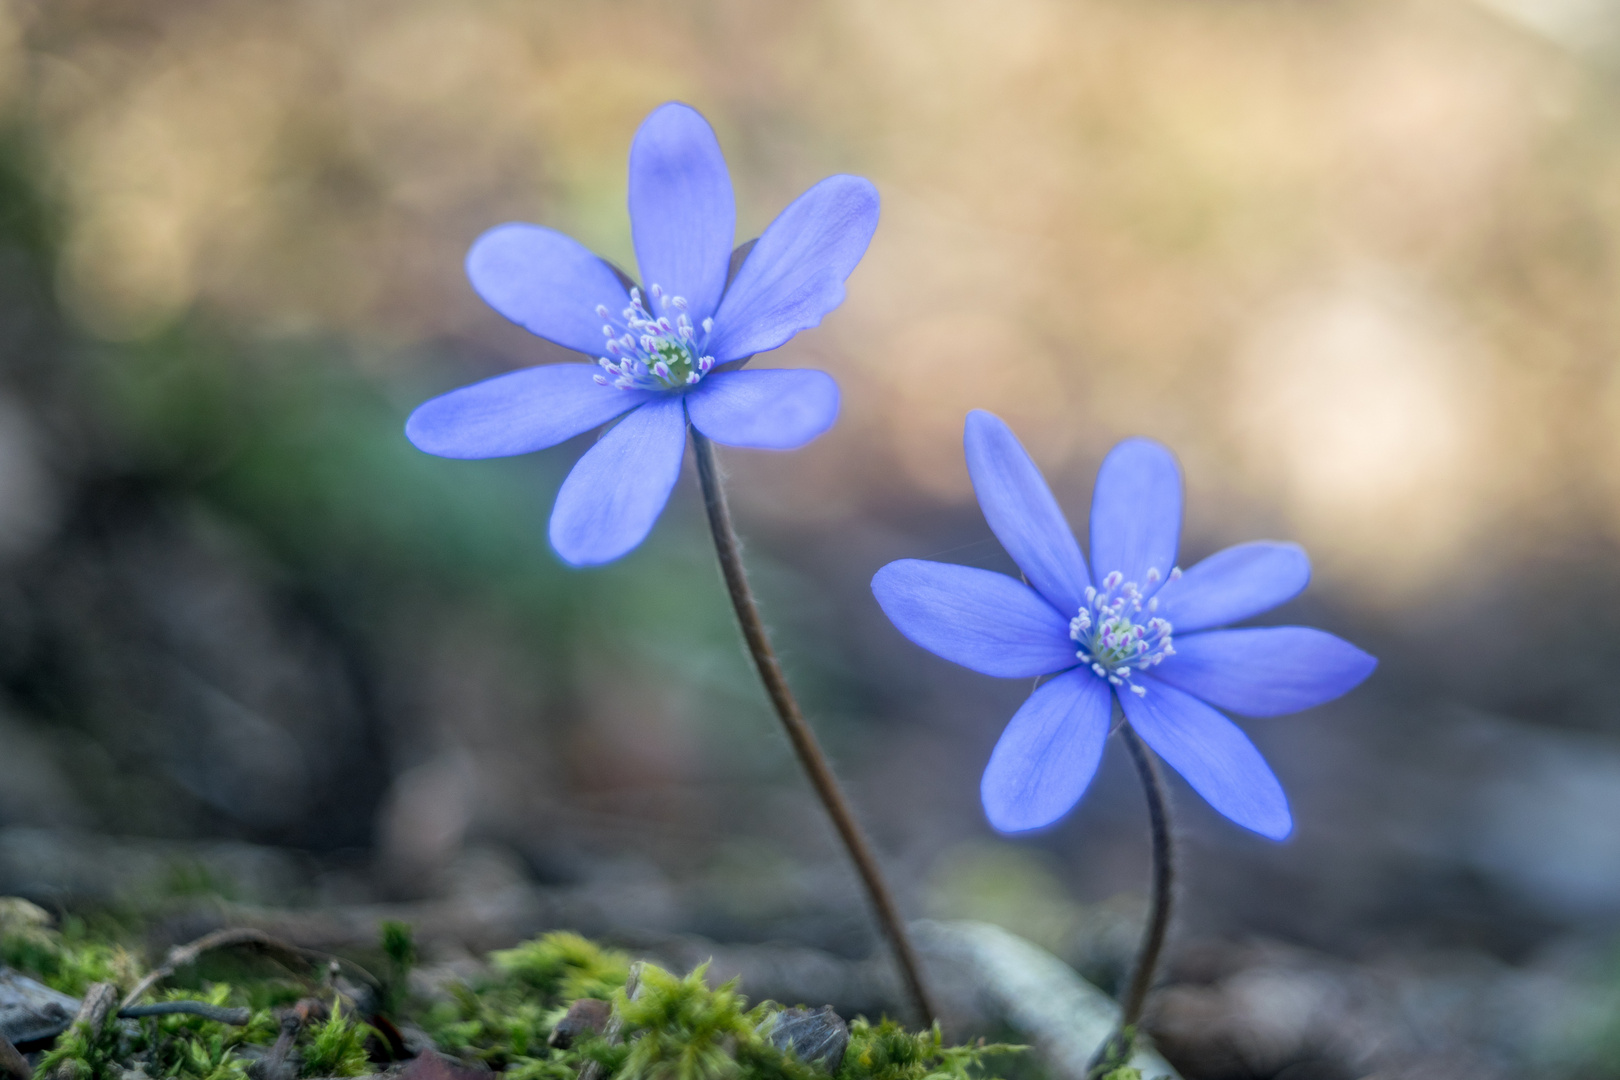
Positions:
(1117, 1050)
(799, 734)
(1158, 924)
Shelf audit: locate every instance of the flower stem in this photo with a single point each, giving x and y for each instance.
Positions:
(798, 732)
(1147, 956)
(1117, 1049)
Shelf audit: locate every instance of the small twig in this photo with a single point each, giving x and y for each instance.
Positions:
(207, 1010)
(184, 955)
(799, 734)
(94, 1011)
(273, 1066)
(13, 1066)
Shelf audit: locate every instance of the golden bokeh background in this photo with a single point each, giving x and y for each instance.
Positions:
(1352, 260)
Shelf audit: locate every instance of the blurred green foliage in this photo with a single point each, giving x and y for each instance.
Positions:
(68, 959)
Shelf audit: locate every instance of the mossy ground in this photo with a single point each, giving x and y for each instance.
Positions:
(676, 1028)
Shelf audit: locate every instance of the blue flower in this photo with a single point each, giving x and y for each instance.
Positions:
(666, 355)
(1134, 628)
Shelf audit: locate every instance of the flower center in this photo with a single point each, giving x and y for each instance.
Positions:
(647, 353)
(1117, 633)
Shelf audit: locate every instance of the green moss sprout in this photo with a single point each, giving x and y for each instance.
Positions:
(195, 1048)
(85, 1055)
(563, 965)
(679, 1029)
(887, 1051)
(338, 1047)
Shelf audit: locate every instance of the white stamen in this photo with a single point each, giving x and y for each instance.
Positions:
(654, 353)
(1117, 633)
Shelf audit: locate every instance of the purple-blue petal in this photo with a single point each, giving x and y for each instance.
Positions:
(547, 283)
(683, 218)
(616, 491)
(795, 273)
(1212, 755)
(977, 618)
(1234, 584)
(1048, 754)
(517, 412)
(768, 409)
(1136, 512)
(1266, 671)
(1022, 512)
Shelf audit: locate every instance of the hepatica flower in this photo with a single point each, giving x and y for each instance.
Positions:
(1132, 628)
(663, 353)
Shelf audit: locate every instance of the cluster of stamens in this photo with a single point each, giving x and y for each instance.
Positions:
(1118, 633)
(648, 353)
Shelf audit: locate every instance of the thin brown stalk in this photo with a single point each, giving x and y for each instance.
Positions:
(1116, 1051)
(1158, 924)
(799, 734)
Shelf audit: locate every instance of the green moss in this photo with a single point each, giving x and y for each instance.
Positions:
(505, 1018)
(399, 945)
(338, 1047)
(563, 966)
(69, 959)
(886, 1051)
(676, 1028)
(88, 1055)
(193, 1048)
(679, 1029)
(399, 952)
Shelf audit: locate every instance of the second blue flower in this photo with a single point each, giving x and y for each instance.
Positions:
(1132, 628)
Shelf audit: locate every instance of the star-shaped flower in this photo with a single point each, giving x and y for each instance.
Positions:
(666, 355)
(1134, 628)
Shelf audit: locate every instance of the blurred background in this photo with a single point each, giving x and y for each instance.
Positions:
(1358, 263)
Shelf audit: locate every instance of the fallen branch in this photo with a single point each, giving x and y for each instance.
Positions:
(206, 1010)
(94, 1011)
